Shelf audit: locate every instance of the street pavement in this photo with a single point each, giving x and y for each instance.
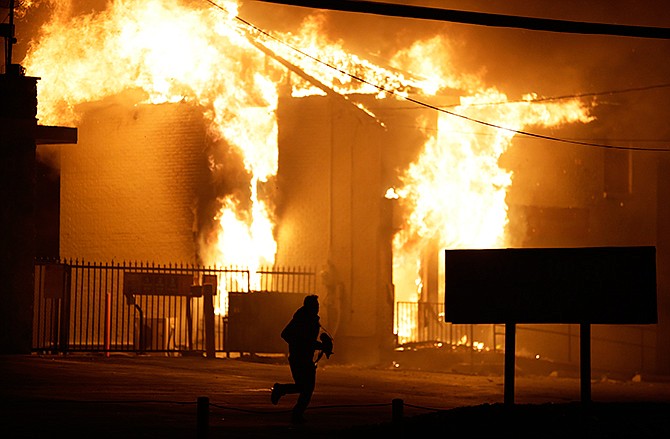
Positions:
(158, 396)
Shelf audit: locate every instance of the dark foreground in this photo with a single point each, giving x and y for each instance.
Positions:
(555, 420)
(193, 397)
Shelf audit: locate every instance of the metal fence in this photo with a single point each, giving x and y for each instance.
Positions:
(422, 324)
(142, 307)
(100, 307)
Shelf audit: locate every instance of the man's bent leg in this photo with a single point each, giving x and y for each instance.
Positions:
(306, 381)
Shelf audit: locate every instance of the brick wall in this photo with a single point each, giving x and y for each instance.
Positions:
(129, 186)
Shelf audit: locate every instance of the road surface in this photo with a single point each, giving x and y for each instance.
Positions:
(155, 396)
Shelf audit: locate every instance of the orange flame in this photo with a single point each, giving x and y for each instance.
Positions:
(453, 194)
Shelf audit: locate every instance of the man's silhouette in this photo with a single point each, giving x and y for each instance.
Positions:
(301, 334)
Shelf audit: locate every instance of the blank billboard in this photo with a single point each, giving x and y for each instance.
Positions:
(600, 285)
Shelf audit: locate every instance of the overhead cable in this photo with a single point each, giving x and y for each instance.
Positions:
(480, 18)
(571, 96)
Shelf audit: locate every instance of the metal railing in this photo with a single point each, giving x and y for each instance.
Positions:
(83, 306)
(423, 324)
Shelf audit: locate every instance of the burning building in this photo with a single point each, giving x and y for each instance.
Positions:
(205, 139)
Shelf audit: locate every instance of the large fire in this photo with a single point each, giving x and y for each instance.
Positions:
(453, 194)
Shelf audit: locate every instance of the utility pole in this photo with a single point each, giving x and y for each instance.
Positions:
(7, 32)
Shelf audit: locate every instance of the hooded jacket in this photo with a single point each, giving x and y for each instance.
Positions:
(301, 333)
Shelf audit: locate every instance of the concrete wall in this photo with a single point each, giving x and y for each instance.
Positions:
(331, 213)
(304, 182)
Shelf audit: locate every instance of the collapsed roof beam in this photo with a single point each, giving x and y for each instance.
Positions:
(298, 71)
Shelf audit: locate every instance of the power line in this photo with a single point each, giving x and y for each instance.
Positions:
(531, 134)
(558, 98)
(480, 18)
(433, 107)
(571, 96)
(582, 139)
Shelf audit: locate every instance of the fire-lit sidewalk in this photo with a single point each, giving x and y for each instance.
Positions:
(157, 396)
